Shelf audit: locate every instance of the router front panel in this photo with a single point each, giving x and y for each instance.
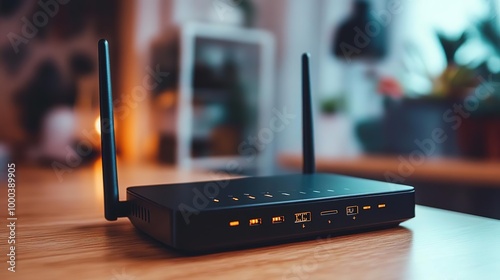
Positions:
(254, 210)
(228, 228)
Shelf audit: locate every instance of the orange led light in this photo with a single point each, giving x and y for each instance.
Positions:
(278, 219)
(255, 222)
(234, 223)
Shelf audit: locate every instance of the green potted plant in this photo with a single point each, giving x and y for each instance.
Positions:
(473, 132)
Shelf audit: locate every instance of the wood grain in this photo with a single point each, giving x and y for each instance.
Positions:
(62, 235)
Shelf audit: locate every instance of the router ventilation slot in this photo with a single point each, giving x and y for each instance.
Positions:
(141, 213)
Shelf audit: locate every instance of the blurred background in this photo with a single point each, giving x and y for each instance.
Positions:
(403, 91)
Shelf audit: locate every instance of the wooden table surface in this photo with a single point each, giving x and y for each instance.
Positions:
(62, 234)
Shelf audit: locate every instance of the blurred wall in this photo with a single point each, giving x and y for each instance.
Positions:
(297, 26)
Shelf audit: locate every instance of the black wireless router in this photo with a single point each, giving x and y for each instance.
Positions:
(215, 215)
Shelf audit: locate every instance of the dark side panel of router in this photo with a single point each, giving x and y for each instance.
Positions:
(253, 191)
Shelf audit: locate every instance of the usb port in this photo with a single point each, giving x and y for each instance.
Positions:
(255, 222)
(278, 219)
(328, 212)
(351, 210)
(302, 217)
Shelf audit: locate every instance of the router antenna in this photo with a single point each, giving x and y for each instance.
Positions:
(113, 208)
(307, 120)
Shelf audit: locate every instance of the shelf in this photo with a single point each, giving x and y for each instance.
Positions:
(438, 170)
